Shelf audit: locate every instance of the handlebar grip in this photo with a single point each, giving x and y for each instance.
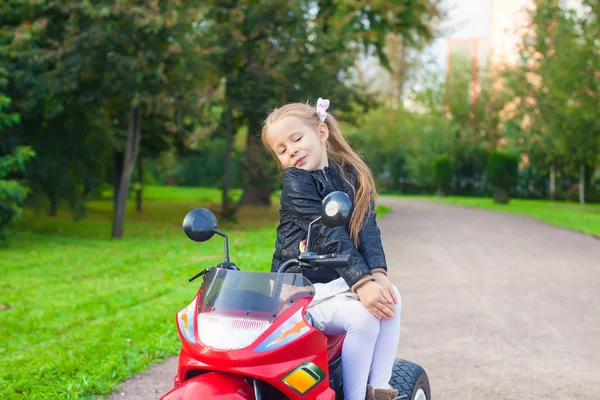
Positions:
(337, 262)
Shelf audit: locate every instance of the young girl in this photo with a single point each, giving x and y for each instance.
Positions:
(358, 300)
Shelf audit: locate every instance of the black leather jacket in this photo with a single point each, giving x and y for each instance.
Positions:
(301, 203)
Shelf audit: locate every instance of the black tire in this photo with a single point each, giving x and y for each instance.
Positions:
(409, 379)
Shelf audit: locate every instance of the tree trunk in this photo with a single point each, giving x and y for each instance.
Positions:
(582, 183)
(258, 167)
(553, 181)
(118, 162)
(131, 152)
(226, 211)
(140, 185)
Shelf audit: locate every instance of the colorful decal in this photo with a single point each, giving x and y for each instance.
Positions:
(185, 320)
(289, 331)
(304, 378)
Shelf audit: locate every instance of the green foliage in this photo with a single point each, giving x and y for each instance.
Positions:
(402, 146)
(13, 192)
(98, 61)
(470, 160)
(450, 121)
(259, 46)
(502, 173)
(502, 170)
(379, 140)
(443, 173)
(182, 65)
(556, 84)
(7, 119)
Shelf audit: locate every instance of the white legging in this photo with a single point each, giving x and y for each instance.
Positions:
(369, 349)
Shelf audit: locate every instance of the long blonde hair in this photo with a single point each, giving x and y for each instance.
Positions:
(338, 150)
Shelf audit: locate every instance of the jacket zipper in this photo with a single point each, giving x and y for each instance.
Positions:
(325, 175)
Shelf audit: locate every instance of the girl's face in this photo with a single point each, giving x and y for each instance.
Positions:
(298, 145)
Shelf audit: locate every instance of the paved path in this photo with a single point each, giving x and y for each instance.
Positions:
(495, 306)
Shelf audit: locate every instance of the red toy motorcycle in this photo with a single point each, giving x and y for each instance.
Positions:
(246, 334)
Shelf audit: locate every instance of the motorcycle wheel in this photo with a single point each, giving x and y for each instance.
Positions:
(410, 380)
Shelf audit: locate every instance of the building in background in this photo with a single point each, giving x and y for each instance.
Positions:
(508, 22)
(468, 57)
(494, 49)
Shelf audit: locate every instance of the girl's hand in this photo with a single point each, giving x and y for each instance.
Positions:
(389, 294)
(371, 296)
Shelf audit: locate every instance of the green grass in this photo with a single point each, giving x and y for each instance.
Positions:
(382, 210)
(582, 218)
(81, 312)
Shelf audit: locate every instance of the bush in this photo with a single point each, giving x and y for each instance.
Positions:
(502, 174)
(470, 160)
(442, 174)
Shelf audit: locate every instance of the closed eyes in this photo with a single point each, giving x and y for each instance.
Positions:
(282, 152)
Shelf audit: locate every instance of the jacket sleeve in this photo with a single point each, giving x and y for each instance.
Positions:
(301, 198)
(369, 242)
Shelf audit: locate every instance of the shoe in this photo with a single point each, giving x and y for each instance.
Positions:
(370, 393)
(387, 394)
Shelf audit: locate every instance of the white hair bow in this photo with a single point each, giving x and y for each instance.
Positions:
(322, 106)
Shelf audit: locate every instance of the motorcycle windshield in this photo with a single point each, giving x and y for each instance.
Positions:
(251, 295)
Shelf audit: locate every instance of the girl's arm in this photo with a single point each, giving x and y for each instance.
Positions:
(369, 242)
(300, 197)
(371, 249)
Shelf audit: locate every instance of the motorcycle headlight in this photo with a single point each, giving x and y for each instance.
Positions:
(229, 333)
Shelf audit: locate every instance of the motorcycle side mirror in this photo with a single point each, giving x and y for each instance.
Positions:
(200, 224)
(335, 209)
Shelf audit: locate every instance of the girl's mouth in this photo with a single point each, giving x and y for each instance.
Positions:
(300, 161)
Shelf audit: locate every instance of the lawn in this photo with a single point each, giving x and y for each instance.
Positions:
(582, 218)
(80, 312)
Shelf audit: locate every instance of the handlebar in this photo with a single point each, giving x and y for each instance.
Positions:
(337, 262)
(287, 265)
(328, 262)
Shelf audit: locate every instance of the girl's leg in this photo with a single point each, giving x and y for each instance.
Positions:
(361, 329)
(386, 346)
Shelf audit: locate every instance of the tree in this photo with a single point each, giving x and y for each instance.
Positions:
(405, 63)
(556, 82)
(259, 46)
(12, 191)
(68, 137)
(110, 70)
